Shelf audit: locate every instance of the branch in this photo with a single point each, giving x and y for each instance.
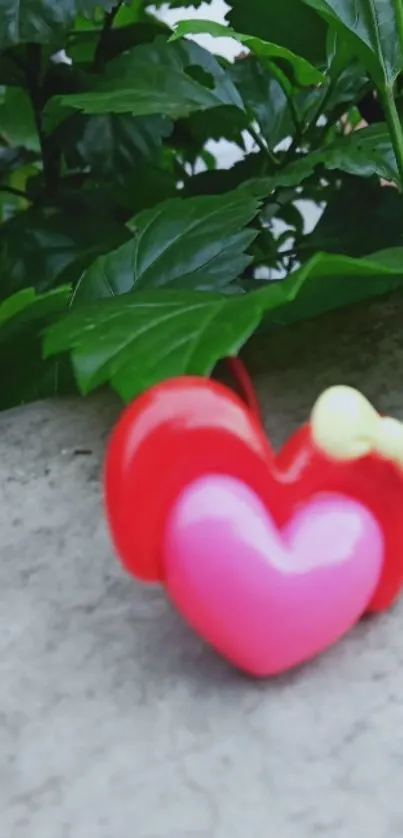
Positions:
(19, 193)
(306, 130)
(51, 156)
(395, 128)
(100, 52)
(262, 145)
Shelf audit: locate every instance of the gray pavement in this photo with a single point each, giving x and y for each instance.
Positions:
(115, 720)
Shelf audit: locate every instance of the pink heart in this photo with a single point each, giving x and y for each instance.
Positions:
(265, 598)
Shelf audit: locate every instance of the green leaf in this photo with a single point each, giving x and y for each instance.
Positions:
(289, 23)
(141, 338)
(89, 8)
(329, 282)
(42, 247)
(11, 66)
(264, 96)
(83, 42)
(17, 121)
(218, 181)
(12, 159)
(159, 78)
(367, 152)
(143, 187)
(178, 4)
(41, 21)
(201, 127)
(26, 308)
(360, 217)
(305, 73)
(347, 86)
(371, 29)
(193, 243)
(113, 144)
(22, 319)
(269, 104)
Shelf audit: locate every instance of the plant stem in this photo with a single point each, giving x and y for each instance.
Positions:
(99, 56)
(395, 125)
(395, 128)
(304, 132)
(19, 193)
(321, 107)
(51, 156)
(263, 147)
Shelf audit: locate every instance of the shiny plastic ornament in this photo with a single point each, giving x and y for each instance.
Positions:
(270, 558)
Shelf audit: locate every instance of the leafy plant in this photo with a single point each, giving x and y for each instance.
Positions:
(129, 252)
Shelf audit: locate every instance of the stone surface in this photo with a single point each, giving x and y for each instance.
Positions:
(115, 720)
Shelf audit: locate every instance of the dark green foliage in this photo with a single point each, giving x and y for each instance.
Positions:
(127, 252)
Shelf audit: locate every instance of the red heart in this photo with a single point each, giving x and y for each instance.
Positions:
(185, 428)
(375, 482)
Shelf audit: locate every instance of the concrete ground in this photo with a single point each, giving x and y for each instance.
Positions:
(115, 720)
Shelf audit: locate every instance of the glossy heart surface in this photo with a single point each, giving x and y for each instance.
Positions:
(191, 429)
(269, 598)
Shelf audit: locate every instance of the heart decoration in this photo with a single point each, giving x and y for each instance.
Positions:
(271, 558)
(266, 598)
